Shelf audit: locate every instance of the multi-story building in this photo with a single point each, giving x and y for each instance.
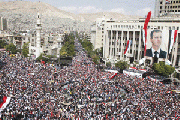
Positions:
(97, 32)
(114, 36)
(48, 44)
(167, 8)
(3, 24)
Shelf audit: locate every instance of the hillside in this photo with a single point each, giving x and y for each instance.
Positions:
(107, 15)
(22, 15)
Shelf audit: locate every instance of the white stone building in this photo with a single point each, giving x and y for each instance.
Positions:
(114, 35)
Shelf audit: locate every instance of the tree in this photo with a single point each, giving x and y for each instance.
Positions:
(96, 59)
(68, 48)
(108, 64)
(3, 43)
(63, 51)
(11, 47)
(46, 59)
(162, 69)
(122, 65)
(25, 49)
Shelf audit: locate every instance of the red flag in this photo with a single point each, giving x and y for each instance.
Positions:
(103, 103)
(129, 42)
(4, 100)
(145, 29)
(167, 2)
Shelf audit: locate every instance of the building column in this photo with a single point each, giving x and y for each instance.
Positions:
(110, 54)
(174, 52)
(133, 43)
(122, 47)
(116, 44)
(126, 41)
(139, 46)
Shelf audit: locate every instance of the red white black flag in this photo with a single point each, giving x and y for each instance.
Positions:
(172, 39)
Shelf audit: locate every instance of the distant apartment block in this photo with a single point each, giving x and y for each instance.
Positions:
(3, 24)
(167, 8)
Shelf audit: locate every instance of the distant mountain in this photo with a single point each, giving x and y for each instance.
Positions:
(107, 15)
(22, 15)
(28, 7)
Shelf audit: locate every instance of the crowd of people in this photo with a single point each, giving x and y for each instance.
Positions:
(82, 92)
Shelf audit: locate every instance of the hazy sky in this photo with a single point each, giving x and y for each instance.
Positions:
(129, 7)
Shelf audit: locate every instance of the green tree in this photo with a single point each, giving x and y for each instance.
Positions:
(3, 43)
(122, 65)
(95, 59)
(25, 49)
(162, 69)
(11, 47)
(108, 64)
(46, 59)
(68, 48)
(63, 51)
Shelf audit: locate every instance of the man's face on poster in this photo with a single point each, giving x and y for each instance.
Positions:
(156, 40)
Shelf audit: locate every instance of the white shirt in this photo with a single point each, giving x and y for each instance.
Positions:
(154, 51)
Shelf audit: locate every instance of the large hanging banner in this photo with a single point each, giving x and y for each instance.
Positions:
(157, 43)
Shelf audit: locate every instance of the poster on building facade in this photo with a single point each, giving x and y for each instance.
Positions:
(157, 43)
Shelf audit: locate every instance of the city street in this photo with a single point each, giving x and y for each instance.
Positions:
(80, 91)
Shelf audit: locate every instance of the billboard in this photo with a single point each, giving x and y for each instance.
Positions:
(157, 43)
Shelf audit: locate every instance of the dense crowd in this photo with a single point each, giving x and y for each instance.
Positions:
(80, 91)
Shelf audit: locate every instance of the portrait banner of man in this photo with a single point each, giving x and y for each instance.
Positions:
(157, 43)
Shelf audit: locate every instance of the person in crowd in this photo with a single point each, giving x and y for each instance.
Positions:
(81, 91)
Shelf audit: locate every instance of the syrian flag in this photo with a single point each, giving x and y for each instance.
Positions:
(145, 30)
(88, 97)
(143, 34)
(167, 2)
(4, 103)
(103, 103)
(134, 68)
(113, 76)
(172, 39)
(129, 42)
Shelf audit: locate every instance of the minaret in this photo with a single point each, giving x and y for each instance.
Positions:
(38, 36)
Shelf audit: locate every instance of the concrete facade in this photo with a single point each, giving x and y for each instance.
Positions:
(116, 33)
(167, 8)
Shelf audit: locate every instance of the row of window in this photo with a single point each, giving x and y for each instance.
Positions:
(170, 7)
(170, 11)
(152, 27)
(127, 26)
(177, 1)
